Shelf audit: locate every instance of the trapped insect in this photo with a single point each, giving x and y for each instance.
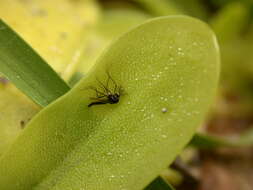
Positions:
(109, 94)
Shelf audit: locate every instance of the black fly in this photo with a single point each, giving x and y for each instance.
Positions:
(106, 95)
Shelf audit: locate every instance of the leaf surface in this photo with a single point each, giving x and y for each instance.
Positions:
(168, 68)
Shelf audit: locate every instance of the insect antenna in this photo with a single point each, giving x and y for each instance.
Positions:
(98, 93)
(104, 87)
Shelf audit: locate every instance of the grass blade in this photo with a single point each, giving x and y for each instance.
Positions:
(159, 184)
(209, 141)
(27, 70)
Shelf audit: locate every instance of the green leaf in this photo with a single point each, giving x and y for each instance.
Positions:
(40, 24)
(61, 45)
(194, 8)
(113, 23)
(27, 70)
(230, 26)
(230, 22)
(159, 184)
(210, 141)
(168, 68)
(160, 7)
(118, 21)
(16, 111)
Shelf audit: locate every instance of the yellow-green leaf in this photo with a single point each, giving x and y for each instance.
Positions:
(16, 111)
(168, 68)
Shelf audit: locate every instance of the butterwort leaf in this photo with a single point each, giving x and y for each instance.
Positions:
(168, 68)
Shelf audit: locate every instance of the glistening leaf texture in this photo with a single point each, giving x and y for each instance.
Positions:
(168, 68)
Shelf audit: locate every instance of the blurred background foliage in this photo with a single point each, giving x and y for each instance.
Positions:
(71, 34)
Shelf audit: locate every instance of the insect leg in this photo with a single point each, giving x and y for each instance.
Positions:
(98, 93)
(104, 87)
(115, 84)
(98, 98)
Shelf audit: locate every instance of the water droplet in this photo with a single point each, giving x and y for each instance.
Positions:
(111, 177)
(109, 153)
(164, 136)
(164, 110)
(180, 120)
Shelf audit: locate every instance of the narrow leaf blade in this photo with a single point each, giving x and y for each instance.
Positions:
(27, 70)
(159, 184)
(205, 141)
